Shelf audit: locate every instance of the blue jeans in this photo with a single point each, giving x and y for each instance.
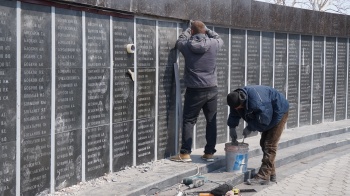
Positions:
(195, 100)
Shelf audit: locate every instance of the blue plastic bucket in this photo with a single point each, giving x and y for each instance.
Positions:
(236, 157)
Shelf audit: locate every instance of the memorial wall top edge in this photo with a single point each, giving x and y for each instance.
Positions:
(247, 14)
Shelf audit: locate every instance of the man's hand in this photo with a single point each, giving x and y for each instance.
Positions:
(233, 135)
(189, 23)
(246, 132)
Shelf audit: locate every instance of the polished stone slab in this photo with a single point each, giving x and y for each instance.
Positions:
(329, 80)
(68, 158)
(342, 52)
(122, 146)
(317, 89)
(305, 80)
(293, 79)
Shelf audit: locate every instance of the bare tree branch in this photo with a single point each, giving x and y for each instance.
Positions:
(337, 6)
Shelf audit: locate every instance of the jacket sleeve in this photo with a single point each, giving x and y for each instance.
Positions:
(214, 35)
(233, 119)
(183, 38)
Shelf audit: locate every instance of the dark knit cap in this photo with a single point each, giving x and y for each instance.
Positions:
(235, 98)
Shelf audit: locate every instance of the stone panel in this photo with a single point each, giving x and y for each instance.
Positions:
(341, 79)
(97, 151)
(253, 57)
(122, 145)
(317, 71)
(68, 71)
(35, 99)
(123, 84)
(98, 70)
(222, 62)
(8, 168)
(166, 89)
(97, 96)
(68, 159)
(146, 93)
(280, 62)
(293, 79)
(144, 140)
(329, 82)
(7, 97)
(267, 58)
(123, 33)
(237, 79)
(305, 80)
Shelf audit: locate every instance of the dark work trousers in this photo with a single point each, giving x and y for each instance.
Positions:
(269, 142)
(195, 100)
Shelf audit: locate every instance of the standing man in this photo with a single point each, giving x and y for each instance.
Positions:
(199, 46)
(265, 110)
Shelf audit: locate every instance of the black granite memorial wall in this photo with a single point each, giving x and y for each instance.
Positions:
(81, 106)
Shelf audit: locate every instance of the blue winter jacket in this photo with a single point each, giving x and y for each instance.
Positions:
(200, 51)
(264, 108)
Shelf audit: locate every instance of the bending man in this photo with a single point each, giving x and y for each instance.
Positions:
(265, 110)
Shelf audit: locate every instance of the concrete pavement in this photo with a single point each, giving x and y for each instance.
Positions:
(328, 178)
(321, 174)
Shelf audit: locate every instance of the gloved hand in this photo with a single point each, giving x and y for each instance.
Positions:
(233, 135)
(189, 23)
(246, 132)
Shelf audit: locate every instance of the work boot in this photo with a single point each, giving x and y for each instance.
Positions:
(208, 157)
(257, 181)
(181, 158)
(273, 178)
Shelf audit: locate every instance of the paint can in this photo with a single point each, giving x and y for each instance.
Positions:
(236, 157)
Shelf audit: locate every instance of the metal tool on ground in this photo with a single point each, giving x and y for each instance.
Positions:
(194, 181)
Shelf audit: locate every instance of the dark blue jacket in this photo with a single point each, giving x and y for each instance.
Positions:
(200, 53)
(264, 108)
